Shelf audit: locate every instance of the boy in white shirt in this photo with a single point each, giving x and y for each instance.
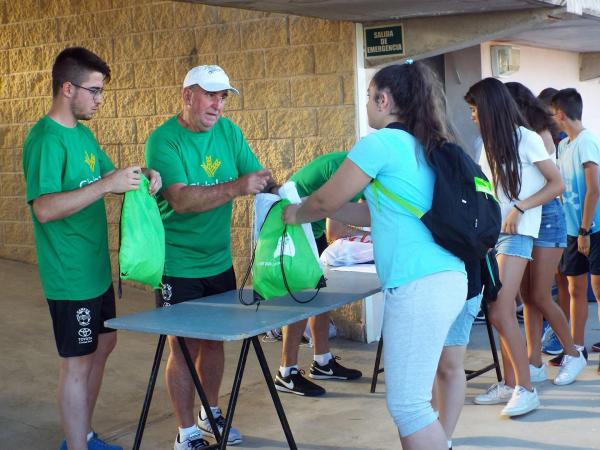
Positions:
(579, 156)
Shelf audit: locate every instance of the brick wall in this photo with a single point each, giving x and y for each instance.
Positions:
(295, 75)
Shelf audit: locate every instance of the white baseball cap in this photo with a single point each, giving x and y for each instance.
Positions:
(209, 78)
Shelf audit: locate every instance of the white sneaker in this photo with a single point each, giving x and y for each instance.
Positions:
(234, 437)
(521, 402)
(570, 368)
(496, 393)
(537, 374)
(193, 442)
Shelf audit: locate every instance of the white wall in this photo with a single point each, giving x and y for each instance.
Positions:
(542, 68)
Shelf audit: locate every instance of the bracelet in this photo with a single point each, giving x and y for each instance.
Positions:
(518, 209)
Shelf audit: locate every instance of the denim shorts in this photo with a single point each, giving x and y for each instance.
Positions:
(515, 245)
(460, 330)
(553, 229)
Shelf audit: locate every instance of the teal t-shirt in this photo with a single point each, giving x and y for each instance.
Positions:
(315, 174)
(403, 246)
(72, 252)
(572, 155)
(198, 245)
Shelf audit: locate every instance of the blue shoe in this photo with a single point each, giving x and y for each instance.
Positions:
(63, 445)
(545, 330)
(551, 345)
(95, 443)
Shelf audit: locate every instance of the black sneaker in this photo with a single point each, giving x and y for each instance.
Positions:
(557, 360)
(596, 347)
(295, 383)
(333, 371)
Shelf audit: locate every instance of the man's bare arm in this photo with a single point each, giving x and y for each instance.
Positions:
(190, 199)
(59, 205)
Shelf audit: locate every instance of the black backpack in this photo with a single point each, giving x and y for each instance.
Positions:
(465, 215)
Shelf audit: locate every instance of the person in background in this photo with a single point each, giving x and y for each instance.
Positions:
(524, 178)
(536, 287)
(325, 366)
(578, 159)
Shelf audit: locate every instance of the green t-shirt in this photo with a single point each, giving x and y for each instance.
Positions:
(315, 174)
(72, 252)
(198, 245)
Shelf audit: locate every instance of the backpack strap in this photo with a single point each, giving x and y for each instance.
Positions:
(377, 187)
(485, 187)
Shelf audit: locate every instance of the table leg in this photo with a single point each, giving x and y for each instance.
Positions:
(201, 394)
(149, 392)
(235, 390)
(276, 401)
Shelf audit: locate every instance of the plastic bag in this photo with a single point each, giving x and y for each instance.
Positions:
(284, 261)
(142, 241)
(348, 251)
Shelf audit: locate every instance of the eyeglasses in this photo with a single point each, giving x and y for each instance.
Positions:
(96, 92)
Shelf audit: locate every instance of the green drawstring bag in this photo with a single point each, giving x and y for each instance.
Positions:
(283, 261)
(142, 238)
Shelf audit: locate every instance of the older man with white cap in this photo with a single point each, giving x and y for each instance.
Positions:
(205, 163)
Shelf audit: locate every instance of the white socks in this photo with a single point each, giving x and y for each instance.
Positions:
(214, 409)
(285, 371)
(323, 359)
(319, 359)
(185, 433)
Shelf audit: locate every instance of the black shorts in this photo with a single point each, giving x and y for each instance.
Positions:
(322, 244)
(177, 290)
(77, 323)
(574, 263)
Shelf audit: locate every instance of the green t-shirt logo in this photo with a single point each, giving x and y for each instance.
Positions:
(90, 160)
(209, 166)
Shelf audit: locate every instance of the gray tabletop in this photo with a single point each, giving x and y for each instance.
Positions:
(223, 318)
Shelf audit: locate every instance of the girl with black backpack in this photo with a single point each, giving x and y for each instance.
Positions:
(424, 285)
(524, 178)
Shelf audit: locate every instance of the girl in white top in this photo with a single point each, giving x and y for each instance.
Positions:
(536, 287)
(524, 178)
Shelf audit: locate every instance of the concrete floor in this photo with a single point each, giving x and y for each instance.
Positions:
(348, 417)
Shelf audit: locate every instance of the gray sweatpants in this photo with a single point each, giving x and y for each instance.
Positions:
(417, 317)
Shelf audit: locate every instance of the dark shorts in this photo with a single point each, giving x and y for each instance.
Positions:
(177, 290)
(77, 323)
(322, 244)
(574, 263)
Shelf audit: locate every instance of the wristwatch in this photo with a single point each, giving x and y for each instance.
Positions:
(584, 232)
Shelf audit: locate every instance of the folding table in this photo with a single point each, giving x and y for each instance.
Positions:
(223, 318)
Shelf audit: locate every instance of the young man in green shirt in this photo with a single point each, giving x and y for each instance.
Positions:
(205, 162)
(67, 176)
(324, 366)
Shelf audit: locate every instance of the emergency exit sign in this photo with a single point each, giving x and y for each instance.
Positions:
(385, 40)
